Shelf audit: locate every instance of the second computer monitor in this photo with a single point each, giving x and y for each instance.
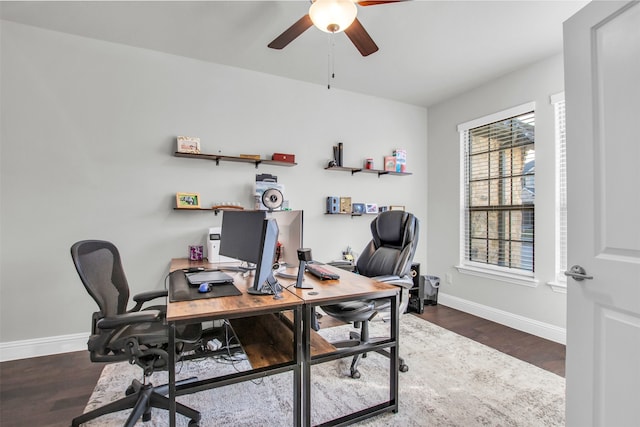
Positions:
(290, 237)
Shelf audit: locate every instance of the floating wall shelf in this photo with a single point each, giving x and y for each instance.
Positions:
(356, 170)
(217, 158)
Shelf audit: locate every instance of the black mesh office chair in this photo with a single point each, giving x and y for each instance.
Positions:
(387, 258)
(137, 335)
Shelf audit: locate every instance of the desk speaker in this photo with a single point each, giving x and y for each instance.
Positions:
(415, 274)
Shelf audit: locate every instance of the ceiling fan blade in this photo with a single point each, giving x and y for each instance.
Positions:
(291, 33)
(373, 2)
(361, 39)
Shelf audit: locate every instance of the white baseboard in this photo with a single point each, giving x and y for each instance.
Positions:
(530, 326)
(42, 346)
(77, 342)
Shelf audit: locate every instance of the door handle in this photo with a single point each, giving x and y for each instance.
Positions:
(578, 273)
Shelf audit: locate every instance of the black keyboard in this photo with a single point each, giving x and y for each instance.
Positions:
(321, 272)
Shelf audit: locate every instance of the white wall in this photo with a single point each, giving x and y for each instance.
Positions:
(88, 132)
(495, 298)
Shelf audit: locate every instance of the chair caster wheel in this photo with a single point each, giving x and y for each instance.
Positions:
(404, 368)
(129, 391)
(355, 375)
(193, 423)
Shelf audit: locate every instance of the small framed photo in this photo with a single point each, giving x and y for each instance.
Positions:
(396, 208)
(357, 208)
(372, 208)
(188, 144)
(188, 200)
(390, 163)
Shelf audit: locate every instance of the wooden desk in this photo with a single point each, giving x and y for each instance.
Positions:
(310, 348)
(349, 287)
(253, 307)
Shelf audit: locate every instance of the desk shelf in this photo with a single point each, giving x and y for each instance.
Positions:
(378, 172)
(218, 158)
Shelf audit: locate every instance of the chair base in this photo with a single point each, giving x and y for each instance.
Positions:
(357, 339)
(141, 398)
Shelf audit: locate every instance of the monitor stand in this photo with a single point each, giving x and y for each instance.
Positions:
(300, 282)
(271, 286)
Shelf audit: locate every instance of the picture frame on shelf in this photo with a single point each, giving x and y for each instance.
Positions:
(358, 208)
(188, 200)
(371, 208)
(389, 163)
(188, 144)
(396, 208)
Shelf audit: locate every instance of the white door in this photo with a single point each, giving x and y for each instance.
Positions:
(602, 92)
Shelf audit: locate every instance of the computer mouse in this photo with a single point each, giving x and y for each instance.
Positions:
(204, 288)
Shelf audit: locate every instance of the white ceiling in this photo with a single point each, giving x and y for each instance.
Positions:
(429, 50)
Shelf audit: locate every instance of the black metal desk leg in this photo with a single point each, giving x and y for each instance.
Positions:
(394, 351)
(297, 372)
(172, 375)
(306, 364)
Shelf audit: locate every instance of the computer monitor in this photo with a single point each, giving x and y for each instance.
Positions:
(252, 237)
(290, 235)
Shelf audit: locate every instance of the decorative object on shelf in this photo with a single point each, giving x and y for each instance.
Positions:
(250, 156)
(338, 151)
(281, 157)
(188, 200)
(382, 209)
(389, 163)
(265, 182)
(188, 144)
(196, 252)
(333, 205)
(396, 208)
(345, 204)
(272, 199)
(372, 208)
(368, 163)
(358, 208)
(401, 159)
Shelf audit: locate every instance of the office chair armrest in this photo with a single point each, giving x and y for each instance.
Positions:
(129, 318)
(404, 282)
(143, 297)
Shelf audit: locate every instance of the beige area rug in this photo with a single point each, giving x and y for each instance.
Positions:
(452, 381)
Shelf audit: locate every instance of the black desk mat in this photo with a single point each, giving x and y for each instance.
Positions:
(180, 290)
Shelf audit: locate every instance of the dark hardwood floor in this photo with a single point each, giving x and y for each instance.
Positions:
(51, 390)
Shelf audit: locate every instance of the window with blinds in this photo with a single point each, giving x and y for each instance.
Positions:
(499, 193)
(561, 187)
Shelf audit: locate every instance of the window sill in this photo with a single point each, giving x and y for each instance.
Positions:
(558, 286)
(503, 276)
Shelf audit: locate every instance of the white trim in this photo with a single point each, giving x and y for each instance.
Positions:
(556, 97)
(500, 115)
(490, 272)
(24, 349)
(558, 286)
(530, 326)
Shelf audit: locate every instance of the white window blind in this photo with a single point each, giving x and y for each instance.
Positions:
(499, 193)
(561, 187)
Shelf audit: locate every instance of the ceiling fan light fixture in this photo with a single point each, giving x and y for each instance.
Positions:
(333, 16)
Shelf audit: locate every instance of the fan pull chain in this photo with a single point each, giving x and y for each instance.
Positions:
(331, 73)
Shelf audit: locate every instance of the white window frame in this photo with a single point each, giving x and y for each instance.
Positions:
(559, 282)
(509, 275)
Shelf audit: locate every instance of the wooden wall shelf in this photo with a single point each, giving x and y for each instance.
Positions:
(217, 158)
(353, 171)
